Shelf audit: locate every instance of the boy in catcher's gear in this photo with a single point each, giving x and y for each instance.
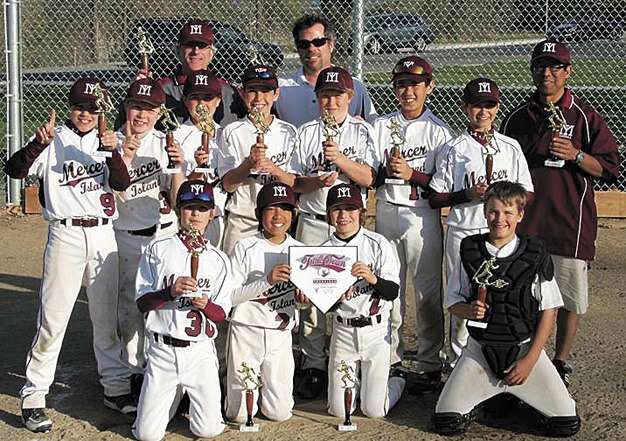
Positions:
(504, 287)
(470, 162)
(332, 149)
(264, 309)
(183, 288)
(77, 196)
(361, 326)
(404, 217)
(202, 95)
(256, 150)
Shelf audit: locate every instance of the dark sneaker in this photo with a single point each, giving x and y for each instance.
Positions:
(36, 420)
(136, 381)
(565, 371)
(313, 384)
(397, 370)
(426, 382)
(123, 403)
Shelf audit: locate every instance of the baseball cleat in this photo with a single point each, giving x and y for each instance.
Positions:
(123, 403)
(36, 420)
(426, 382)
(565, 371)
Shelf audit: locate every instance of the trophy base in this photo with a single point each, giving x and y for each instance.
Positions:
(102, 154)
(252, 428)
(171, 171)
(556, 163)
(476, 324)
(391, 181)
(203, 170)
(347, 427)
(192, 294)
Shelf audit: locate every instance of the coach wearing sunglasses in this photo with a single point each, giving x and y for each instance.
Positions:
(314, 38)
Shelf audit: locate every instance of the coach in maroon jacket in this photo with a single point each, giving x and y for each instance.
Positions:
(564, 211)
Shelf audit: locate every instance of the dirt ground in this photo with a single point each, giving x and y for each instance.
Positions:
(75, 399)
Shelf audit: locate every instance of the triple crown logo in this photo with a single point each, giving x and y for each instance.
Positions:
(196, 188)
(332, 77)
(90, 88)
(343, 192)
(202, 80)
(549, 47)
(484, 87)
(280, 191)
(196, 30)
(144, 89)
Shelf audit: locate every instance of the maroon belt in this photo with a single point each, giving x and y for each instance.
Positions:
(85, 223)
(360, 322)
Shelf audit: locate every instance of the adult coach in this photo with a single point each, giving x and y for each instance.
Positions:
(314, 38)
(564, 211)
(195, 52)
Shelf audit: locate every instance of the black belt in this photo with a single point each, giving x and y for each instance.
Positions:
(147, 232)
(360, 322)
(319, 217)
(85, 223)
(171, 341)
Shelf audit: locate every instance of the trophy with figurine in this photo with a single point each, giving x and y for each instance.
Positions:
(397, 141)
(196, 246)
(207, 127)
(557, 121)
(349, 382)
(104, 105)
(331, 129)
(145, 49)
(170, 124)
(488, 158)
(249, 383)
(482, 278)
(262, 128)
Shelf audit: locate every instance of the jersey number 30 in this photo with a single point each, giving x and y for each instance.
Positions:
(195, 327)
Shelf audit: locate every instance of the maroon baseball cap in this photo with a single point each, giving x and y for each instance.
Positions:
(196, 31)
(259, 75)
(412, 68)
(275, 193)
(334, 78)
(195, 192)
(344, 194)
(481, 90)
(146, 90)
(202, 82)
(83, 91)
(551, 49)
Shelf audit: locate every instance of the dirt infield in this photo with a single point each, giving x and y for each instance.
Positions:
(75, 400)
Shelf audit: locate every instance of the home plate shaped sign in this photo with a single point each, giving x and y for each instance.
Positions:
(322, 273)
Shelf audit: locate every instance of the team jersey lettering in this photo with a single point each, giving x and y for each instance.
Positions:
(140, 189)
(74, 172)
(279, 159)
(144, 171)
(471, 180)
(195, 327)
(281, 303)
(108, 203)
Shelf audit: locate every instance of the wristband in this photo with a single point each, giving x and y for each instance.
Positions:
(580, 157)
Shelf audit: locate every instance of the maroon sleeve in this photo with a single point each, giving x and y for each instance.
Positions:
(119, 179)
(18, 165)
(603, 146)
(530, 197)
(421, 179)
(214, 312)
(154, 300)
(438, 200)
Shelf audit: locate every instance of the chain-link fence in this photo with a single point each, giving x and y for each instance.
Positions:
(463, 39)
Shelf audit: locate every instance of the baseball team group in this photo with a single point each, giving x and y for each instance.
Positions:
(180, 221)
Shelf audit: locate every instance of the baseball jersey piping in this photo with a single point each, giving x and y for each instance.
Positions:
(580, 216)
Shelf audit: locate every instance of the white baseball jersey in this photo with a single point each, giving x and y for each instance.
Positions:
(163, 262)
(189, 137)
(424, 139)
(76, 184)
(356, 140)
(376, 251)
(255, 301)
(462, 165)
(238, 138)
(142, 205)
(298, 102)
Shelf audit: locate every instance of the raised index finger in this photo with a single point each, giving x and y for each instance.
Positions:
(127, 131)
(53, 116)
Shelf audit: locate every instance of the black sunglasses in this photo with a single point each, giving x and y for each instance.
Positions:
(264, 75)
(317, 42)
(197, 44)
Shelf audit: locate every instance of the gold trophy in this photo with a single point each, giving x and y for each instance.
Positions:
(207, 127)
(482, 279)
(557, 121)
(489, 157)
(170, 123)
(145, 49)
(331, 129)
(104, 105)
(196, 247)
(397, 141)
(262, 128)
(349, 380)
(249, 383)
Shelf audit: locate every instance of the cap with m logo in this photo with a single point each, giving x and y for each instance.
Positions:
(146, 90)
(196, 31)
(334, 78)
(344, 194)
(481, 90)
(195, 192)
(83, 91)
(275, 193)
(551, 49)
(202, 82)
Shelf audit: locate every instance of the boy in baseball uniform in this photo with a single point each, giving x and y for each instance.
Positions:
(361, 325)
(404, 217)
(332, 149)
(256, 150)
(504, 286)
(264, 309)
(474, 159)
(77, 196)
(183, 301)
(202, 95)
(145, 211)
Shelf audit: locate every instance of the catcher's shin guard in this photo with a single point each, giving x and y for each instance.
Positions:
(563, 425)
(451, 423)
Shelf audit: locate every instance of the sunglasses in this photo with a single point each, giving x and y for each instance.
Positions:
(189, 196)
(265, 75)
(198, 44)
(554, 68)
(414, 69)
(317, 42)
